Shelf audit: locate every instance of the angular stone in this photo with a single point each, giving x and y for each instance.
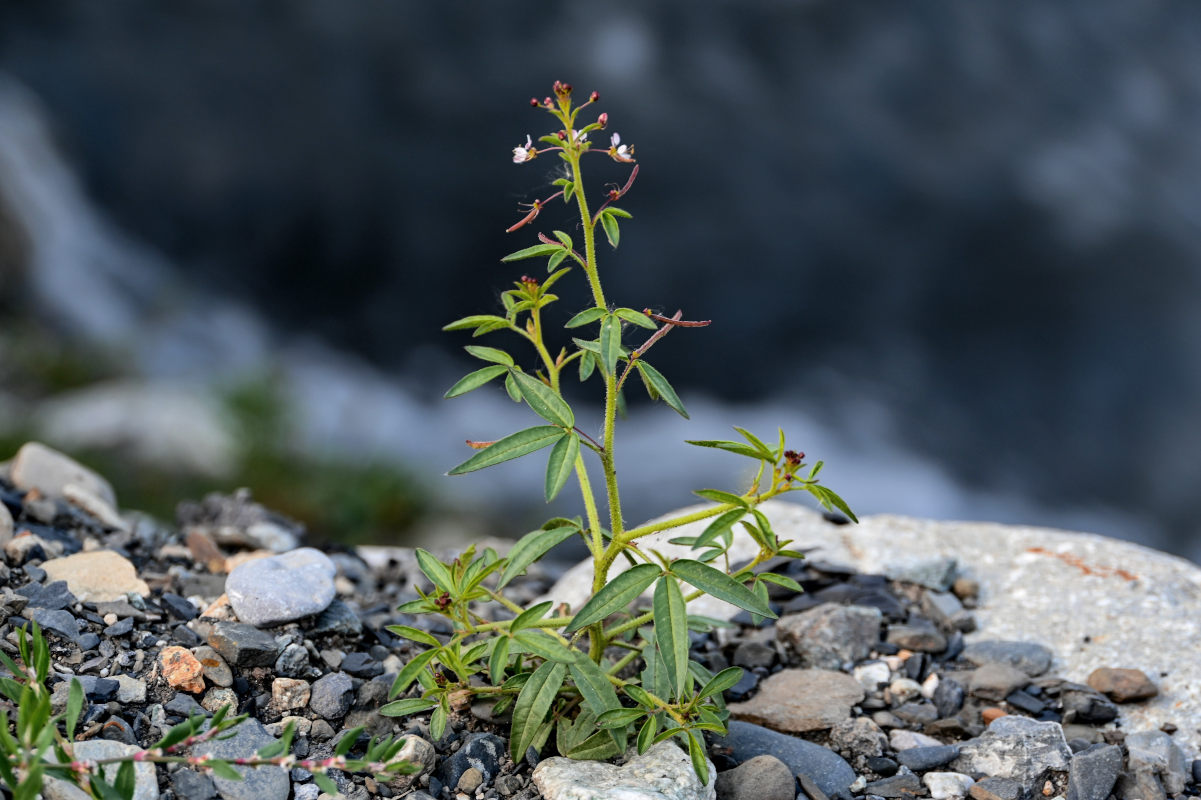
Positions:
(1017, 748)
(663, 773)
(1139, 784)
(1084, 704)
(922, 759)
(193, 785)
(902, 785)
(258, 783)
(935, 573)
(1031, 658)
(37, 466)
(217, 697)
(243, 645)
(216, 671)
(130, 689)
(1094, 771)
(1154, 751)
(760, 778)
(331, 695)
(1122, 685)
(996, 789)
(483, 751)
(58, 622)
(278, 589)
(181, 669)
(829, 635)
(98, 576)
(946, 785)
(94, 506)
(799, 700)
(337, 619)
(996, 680)
(808, 761)
(52, 596)
(289, 693)
(924, 638)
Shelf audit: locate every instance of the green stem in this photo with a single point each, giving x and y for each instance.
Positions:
(597, 544)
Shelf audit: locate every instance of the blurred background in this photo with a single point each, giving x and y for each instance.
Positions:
(953, 249)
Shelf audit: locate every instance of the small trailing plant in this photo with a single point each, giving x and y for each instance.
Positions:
(38, 744)
(602, 676)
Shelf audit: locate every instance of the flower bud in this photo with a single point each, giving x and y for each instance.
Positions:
(562, 136)
(546, 101)
(603, 119)
(534, 102)
(592, 98)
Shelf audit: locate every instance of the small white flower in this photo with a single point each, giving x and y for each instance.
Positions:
(579, 138)
(526, 153)
(619, 151)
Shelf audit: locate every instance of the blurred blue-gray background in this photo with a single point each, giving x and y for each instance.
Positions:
(954, 248)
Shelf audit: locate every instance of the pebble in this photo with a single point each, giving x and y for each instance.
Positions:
(470, 780)
(799, 700)
(901, 739)
(193, 785)
(293, 662)
(59, 622)
(924, 638)
(289, 693)
(995, 680)
(828, 770)
(1122, 685)
(1018, 748)
(6, 525)
(829, 635)
(179, 607)
(922, 759)
(1032, 659)
(361, 665)
(217, 697)
(1084, 704)
(760, 778)
(872, 674)
(53, 596)
(97, 577)
(752, 654)
(145, 781)
(663, 773)
(996, 789)
(338, 619)
(902, 785)
(130, 689)
(258, 783)
(39, 467)
(1094, 771)
(946, 785)
(332, 695)
(935, 573)
(181, 669)
(482, 751)
(216, 671)
(278, 589)
(1154, 751)
(243, 645)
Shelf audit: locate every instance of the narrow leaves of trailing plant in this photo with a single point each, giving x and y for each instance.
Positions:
(657, 385)
(561, 464)
(619, 212)
(408, 673)
(588, 315)
(476, 321)
(612, 231)
(718, 526)
(545, 646)
(474, 380)
(531, 615)
(499, 660)
(594, 685)
(730, 447)
(765, 452)
(587, 364)
(718, 496)
(403, 708)
(512, 446)
(490, 354)
(532, 547)
(564, 238)
(636, 318)
(325, 784)
(720, 682)
(671, 633)
(435, 570)
(347, 741)
(599, 745)
(511, 388)
(610, 343)
(533, 252)
(830, 500)
(533, 704)
(616, 595)
(619, 717)
(74, 707)
(543, 400)
(721, 586)
(697, 754)
(781, 580)
(646, 735)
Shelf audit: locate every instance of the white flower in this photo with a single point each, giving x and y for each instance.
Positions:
(526, 153)
(578, 138)
(619, 151)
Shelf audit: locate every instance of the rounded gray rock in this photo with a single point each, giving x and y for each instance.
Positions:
(761, 778)
(258, 783)
(278, 589)
(830, 634)
(332, 695)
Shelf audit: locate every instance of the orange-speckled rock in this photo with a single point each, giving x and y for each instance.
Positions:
(181, 669)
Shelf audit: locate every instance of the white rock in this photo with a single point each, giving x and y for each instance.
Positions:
(37, 466)
(99, 576)
(904, 689)
(6, 525)
(871, 674)
(95, 506)
(945, 785)
(663, 773)
(930, 686)
(130, 689)
(901, 739)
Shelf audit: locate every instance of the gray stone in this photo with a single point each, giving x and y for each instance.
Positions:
(860, 736)
(1084, 704)
(663, 773)
(935, 573)
(1139, 784)
(278, 589)
(130, 689)
(418, 751)
(923, 759)
(1017, 748)
(1032, 659)
(924, 638)
(243, 645)
(59, 622)
(995, 680)
(829, 635)
(1093, 772)
(193, 785)
(996, 789)
(332, 695)
(337, 619)
(482, 751)
(761, 778)
(6, 525)
(52, 596)
(1154, 751)
(749, 655)
(799, 700)
(258, 783)
(216, 670)
(829, 771)
(145, 786)
(946, 785)
(902, 785)
(293, 662)
(37, 466)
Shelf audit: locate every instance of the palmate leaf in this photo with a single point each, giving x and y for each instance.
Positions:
(616, 595)
(533, 704)
(532, 547)
(657, 386)
(671, 633)
(512, 446)
(561, 464)
(544, 401)
(474, 380)
(720, 585)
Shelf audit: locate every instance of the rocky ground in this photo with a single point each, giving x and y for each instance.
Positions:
(864, 687)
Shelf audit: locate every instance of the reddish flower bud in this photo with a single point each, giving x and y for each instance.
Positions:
(534, 102)
(793, 457)
(567, 88)
(546, 101)
(562, 136)
(594, 97)
(603, 120)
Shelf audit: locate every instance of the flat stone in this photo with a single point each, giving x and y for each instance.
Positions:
(145, 783)
(243, 645)
(1084, 704)
(933, 572)
(1017, 748)
(216, 671)
(332, 695)
(289, 693)
(760, 778)
(39, 467)
(193, 785)
(130, 689)
(98, 576)
(923, 638)
(1122, 685)
(181, 669)
(1031, 658)
(52, 596)
(946, 785)
(902, 785)
(337, 619)
(58, 622)
(807, 761)
(94, 506)
(1139, 784)
(829, 635)
(663, 773)
(258, 783)
(1094, 771)
(1155, 752)
(922, 759)
(996, 789)
(995, 680)
(278, 589)
(799, 700)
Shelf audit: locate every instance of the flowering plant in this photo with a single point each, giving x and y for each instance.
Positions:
(604, 673)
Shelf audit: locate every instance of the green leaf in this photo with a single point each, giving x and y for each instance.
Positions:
(74, 707)
(512, 446)
(761, 593)
(718, 496)
(511, 388)
(544, 401)
(533, 252)
(612, 231)
(325, 784)
(585, 317)
(720, 682)
(546, 284)
(179, 732)
(530, 548)
(499, 660)
(555, 260)
(564, 238)
(474, 380)
(408, 672)
(348, 741)
(531, 615)
(490, 354)
(730, 447)
(561, 464)
(222, 769)
(616, 595)
(671, 633)
(636, 318)
(765, 452)
(619, 717)
(718, 526)
(654, 676)
(637, 693)
(599, 745)
(533, 704)
(610, 343)
(438, 721)
(720, 585)
(476, 321)
(781, 580)
(700, 764)
(654, 380)
(124, 783)
(598, 693)
(435, 570)
(416, 634)
(587, 364)
(646, 736)
(831, 500)
(545, 646)
(619, 212)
